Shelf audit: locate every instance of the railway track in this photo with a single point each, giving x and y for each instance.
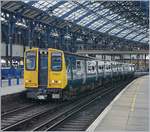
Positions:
(51, 117)
(24, 123)
(62, 123)
(52, 123)
(13, 101)
(80, 119)
(12, 117)
(16, 110)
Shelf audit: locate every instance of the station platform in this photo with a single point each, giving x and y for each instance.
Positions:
(14, 88)
(5, 82)
(128, 111)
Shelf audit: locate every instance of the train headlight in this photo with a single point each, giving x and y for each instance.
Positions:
(53, 81)
(59, 81)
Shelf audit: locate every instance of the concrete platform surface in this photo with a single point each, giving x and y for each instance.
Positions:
(128, 111)
(11, 89)
(13, 82)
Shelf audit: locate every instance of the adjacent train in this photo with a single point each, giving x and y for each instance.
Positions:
(52, 73)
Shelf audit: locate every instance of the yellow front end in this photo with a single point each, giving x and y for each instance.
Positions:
(45, 75)
(31, 76)
(56, 79)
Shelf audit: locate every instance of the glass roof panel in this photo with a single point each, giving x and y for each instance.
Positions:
(63, 9)
(124, 32)
(131, 35)
(69, 5)
(145, 40)
(44, 5)
(76, 15)
(101, 12)
(82, 1)
(128, 24)
(97, 23)
(111, 16)
(139, 37)
(115, 30)
(87, 19)
(26, 1)
(106, 27)
(93, 5)
(133, 28)
(119, 21)
(142, 30)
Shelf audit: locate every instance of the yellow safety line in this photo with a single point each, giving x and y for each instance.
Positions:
(133, 102)
(134, 97)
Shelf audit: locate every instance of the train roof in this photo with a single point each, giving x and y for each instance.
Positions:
(75, 54)
(88, 57)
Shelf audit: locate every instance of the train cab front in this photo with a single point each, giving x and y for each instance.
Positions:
(44, 73)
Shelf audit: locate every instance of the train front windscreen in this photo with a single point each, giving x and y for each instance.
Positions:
(30, 60)
(56, 61)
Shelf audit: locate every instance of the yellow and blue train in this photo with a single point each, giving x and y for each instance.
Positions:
(52, 73)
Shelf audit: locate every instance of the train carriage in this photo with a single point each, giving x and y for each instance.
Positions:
(52, 73)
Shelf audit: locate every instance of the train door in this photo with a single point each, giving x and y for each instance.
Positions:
(43, 69)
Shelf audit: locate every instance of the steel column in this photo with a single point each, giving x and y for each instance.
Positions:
(30, 34)
(7, 44)
(61, 39)
(73, 41)
(11, 27)
(48, 31)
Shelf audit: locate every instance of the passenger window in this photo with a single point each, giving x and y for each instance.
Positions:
(89, 68)
(78, 65)
(100, 67)
(93, 68)
(106, 67)
(30, 60)
(56, 61)
(109, 67)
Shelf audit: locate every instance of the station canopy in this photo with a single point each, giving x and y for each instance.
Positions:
(124, 19)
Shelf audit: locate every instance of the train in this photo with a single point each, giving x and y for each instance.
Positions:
(55, 74)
